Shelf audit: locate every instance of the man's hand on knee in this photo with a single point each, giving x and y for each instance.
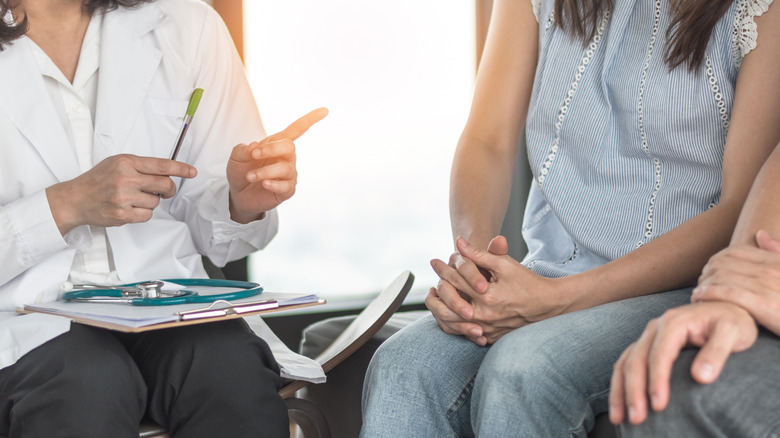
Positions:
(748, 277)
(642, 373)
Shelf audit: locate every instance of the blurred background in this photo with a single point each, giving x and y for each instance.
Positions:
(372, 195)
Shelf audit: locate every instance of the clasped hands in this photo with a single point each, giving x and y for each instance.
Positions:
(738, 288)
(125, 188)
(484, 294)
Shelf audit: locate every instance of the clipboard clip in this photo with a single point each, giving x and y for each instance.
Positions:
(214, 311)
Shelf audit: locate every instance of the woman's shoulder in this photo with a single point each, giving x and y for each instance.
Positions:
(537, 6)
(745, 30)
(542, 8)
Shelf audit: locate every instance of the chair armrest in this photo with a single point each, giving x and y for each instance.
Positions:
(365, 325)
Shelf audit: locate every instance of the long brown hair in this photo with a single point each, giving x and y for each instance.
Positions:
(12, 31)
(689, 31)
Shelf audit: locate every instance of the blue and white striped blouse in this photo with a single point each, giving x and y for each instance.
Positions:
(622, 150)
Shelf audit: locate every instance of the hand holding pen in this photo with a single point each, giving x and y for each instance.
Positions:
(263, 174)
(121, 189)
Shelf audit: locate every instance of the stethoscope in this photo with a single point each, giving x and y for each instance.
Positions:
(151, 293)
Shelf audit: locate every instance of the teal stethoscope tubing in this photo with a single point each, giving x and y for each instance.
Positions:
(187, 297)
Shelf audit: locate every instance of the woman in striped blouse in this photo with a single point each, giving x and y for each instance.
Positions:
(646, 123)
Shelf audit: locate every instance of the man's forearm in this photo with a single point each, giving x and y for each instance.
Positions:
(762, 208)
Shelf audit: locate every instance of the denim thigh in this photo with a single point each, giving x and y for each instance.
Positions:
(551, 378)
(538, 380)
(419, 383)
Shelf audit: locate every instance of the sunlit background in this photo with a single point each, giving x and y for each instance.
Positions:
(372, 194)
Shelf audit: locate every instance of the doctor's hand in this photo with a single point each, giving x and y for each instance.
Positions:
(748, 277)
(642, 373)
(119, 190)
(262, 174)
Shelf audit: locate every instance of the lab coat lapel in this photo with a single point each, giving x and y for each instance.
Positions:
(128, 61)
(27, 104)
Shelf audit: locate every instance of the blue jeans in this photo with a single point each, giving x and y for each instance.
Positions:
(743, 402)
(547, 379)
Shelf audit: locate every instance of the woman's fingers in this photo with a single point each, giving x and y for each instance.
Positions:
(449, 293)
(476, 278)
(458, 283)
(481, 257)
(450, 322)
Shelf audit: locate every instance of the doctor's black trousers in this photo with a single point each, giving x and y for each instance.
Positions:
(207, 380)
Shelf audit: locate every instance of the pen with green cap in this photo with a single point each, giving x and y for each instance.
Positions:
(193, 105)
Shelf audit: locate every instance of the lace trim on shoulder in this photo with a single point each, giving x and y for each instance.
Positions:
(537, 6)
(745, 33)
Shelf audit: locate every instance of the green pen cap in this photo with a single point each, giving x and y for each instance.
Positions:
(194, 101)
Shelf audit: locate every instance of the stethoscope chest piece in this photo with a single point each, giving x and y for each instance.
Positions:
(150, 289)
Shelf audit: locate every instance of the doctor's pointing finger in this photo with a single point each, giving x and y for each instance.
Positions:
(263, 174)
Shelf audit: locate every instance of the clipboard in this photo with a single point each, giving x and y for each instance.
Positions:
(223, 309)
(136, 319)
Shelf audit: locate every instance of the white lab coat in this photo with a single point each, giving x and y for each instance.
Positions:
(151, 58)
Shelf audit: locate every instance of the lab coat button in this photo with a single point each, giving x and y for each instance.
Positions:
(77, 239)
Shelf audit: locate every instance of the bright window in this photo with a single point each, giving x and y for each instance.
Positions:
(372, 195)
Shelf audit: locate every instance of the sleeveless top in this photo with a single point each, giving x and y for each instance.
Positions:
(621, 149)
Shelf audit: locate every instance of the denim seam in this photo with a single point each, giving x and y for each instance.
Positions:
(597, 395)
(462, 397)
(591, 398)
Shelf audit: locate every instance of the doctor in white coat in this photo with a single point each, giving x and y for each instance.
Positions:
(92, 95)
